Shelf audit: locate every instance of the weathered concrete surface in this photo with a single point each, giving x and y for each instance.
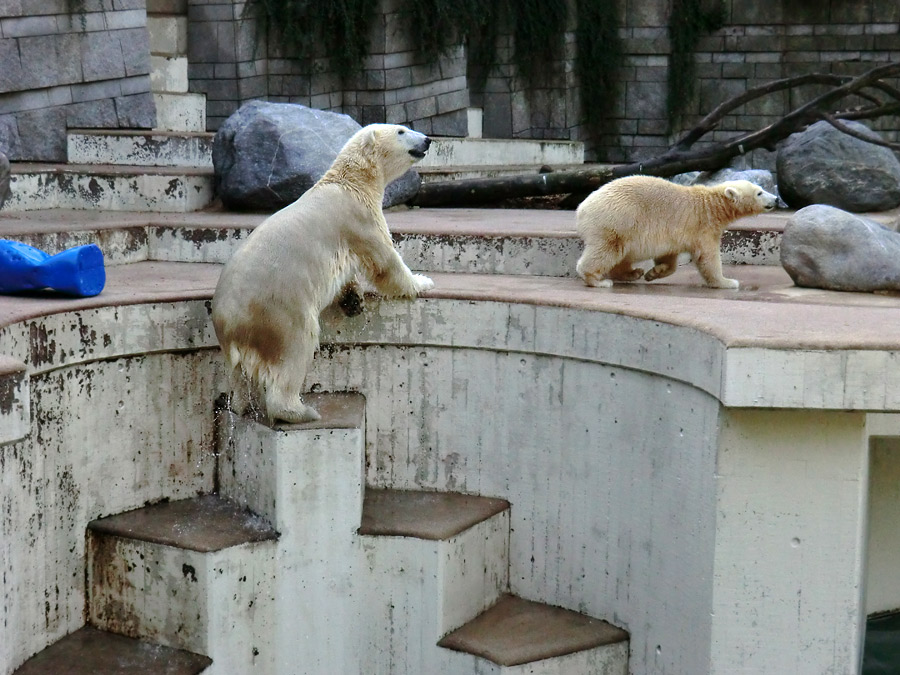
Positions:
(151, 148)
(516, 631)
(611, 464)
(194, 574)
(115, 188)
(89, 651)
(424, 515)
(15, 400)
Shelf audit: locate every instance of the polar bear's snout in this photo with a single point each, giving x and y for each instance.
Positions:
(417, 143)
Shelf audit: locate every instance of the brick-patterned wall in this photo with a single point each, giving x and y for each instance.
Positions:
(232, 61)
(761, 41)
(59, 70)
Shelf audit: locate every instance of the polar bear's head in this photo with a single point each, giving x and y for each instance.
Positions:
(394, 148)
(748, 198)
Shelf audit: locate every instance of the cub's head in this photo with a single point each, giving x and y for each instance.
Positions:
(395, 147)
(747, 197)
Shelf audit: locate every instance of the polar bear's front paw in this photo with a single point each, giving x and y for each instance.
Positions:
(422, 283)
(732, 284)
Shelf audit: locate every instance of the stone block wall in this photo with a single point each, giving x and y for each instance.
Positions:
(760, 42)
(547, 107)
(68, 64)
(232, 61)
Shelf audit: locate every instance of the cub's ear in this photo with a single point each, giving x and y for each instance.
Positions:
(732, 193)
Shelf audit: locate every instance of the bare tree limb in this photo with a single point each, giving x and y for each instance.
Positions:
(683, 156)
(840, 126)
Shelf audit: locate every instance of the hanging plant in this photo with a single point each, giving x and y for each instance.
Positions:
(339, 28)
(688, 22)
(598, 60)
(441, 24)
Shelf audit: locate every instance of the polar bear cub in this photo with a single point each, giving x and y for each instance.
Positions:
(638, 218)
(266, 305)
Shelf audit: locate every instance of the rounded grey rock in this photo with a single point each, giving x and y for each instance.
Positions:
(268, 154)
(822, 165)
(825, 247)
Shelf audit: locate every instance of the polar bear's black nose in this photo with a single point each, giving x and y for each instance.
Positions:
(427, 142)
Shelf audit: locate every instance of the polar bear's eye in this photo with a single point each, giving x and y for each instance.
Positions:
(759, 194)
(401, 132)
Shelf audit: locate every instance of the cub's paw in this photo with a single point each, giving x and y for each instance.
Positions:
(732, 284)
(594, 282)
(422, 283)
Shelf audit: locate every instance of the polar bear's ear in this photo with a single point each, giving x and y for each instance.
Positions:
(732, 193)
(367, 139)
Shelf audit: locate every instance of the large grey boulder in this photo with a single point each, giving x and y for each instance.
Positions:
(825, 166)
(825, 247)
(266, 155)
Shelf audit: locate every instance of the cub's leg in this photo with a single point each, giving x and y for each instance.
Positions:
(625, 272)
(709, 263)
(664, 266)
(595, 263)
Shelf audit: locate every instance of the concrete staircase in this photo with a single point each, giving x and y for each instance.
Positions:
(296, 567)
(167, 169)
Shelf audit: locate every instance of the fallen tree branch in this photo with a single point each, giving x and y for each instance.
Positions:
(683, 156)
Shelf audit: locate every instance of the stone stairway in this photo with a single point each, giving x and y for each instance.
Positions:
(167, 169)
(296, 567)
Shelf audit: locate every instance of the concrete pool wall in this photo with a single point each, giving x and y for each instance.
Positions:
(693, 468)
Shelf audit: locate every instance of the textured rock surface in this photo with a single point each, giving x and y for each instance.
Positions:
(825, 166)
(268, 154)
(825, 247)
(402, 190)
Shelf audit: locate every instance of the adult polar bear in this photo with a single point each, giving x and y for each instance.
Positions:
(638, 218)
(266, 306)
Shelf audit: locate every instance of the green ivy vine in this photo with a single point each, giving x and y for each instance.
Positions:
(341, 28)
(598, 61)
(688, 22)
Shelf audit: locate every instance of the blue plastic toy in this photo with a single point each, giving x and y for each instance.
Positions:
(76, 271)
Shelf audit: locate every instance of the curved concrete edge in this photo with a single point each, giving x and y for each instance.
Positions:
(15, 397)
(164, 307)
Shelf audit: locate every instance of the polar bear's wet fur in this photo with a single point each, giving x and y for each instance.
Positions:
(266, 306)
(646, 218)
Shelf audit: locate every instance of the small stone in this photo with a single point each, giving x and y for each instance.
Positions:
(825, 247)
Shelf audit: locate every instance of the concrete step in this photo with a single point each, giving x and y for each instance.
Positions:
(89, 651)
(193, 574)
(141, 148)
(109, 188)
(440, 174)
(520, 636)
(436, 561)
(169, 74)
(446, 151)
(307, 480)
(180, 112)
